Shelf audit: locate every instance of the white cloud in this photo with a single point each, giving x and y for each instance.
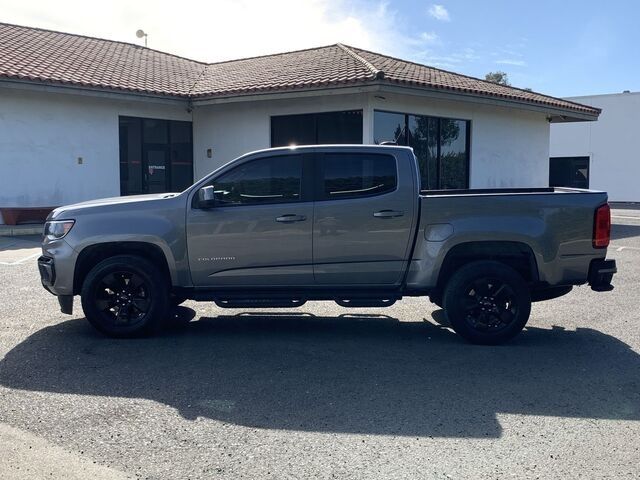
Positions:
(224, 29)
(439, 13)
(517, 63)
(429, 38)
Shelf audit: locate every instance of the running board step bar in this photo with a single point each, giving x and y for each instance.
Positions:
(366, 302)
(260, 303)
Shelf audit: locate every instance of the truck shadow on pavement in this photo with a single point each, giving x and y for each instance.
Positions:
(354, 373)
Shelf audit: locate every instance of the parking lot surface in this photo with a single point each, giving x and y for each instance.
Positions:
(322, 391)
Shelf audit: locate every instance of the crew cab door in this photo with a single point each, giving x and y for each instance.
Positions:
(364, 215)
(258, 231)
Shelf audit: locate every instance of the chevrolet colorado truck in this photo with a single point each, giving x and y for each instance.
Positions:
(279, 227)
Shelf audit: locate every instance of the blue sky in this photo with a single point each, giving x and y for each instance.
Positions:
(559, 47)
(562, 48)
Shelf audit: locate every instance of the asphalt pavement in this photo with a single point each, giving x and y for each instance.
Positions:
(322, 391)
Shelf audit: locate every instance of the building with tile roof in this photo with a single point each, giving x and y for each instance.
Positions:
(83, 117)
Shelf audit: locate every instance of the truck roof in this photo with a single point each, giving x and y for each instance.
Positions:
(332, 147)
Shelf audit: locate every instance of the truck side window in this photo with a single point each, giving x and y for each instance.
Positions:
(347, 175)
(266, 180)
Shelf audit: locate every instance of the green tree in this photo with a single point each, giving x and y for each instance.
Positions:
(498, 77)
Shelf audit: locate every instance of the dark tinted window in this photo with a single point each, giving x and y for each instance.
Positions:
(453, 154)
(317, 128)
(423, 138)
(293, 130)
(339, 127)
(441, 146)
(569, 172)
(131, 168)
(267, 180)
(389, 127)
(345, 175)
(181, 150)
(155, 155)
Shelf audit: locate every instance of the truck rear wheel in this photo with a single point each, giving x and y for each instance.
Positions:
(125, 296)
(487, 302)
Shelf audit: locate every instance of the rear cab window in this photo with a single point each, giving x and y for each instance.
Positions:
(355, 175)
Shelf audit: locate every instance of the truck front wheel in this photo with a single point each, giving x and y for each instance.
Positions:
(125, 296)
(487, 302)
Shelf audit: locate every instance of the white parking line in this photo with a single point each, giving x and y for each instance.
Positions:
(22, 260)
(622, 248)
(627, 217)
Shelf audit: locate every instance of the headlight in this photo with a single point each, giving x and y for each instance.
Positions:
(57, 229)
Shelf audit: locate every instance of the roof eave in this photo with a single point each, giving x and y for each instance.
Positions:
(554, 113)
(104, 92)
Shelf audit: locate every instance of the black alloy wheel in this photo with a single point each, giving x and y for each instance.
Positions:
(126, 296)
(123, 297)
(487, 302)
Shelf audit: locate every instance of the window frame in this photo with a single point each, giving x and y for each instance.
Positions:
(314, 116)
(405, 142)
(144, 146)
(318, 177)
(306, 188)
(572, 158)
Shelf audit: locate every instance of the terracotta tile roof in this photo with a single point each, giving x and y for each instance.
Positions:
(409, 73)
(316, 67)
(46, 56)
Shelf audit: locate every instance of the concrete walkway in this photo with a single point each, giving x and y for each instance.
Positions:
(20, 230)
(27, 457)
(18, 250)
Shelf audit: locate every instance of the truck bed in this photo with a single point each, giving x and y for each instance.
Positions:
(555, 224)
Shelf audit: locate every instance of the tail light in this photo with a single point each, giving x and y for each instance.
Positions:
(602, 227)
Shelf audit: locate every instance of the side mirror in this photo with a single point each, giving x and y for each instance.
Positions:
(206, 197)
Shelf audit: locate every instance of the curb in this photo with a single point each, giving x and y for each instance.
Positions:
(19, 230)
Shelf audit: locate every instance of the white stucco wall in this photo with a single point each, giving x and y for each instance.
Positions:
(42, 134)
(233, 129)
(509, 147)
(612, 143)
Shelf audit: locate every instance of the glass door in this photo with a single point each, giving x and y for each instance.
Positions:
(156, 156)
(155, 169)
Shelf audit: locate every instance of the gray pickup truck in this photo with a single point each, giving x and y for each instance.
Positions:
(349, 224)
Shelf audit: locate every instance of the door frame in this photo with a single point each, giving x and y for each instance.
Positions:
(144, 147)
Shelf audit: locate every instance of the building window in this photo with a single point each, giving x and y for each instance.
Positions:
(317, 128)
(156, 155)
(441, 146)
(569, 172)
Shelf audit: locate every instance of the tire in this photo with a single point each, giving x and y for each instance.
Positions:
(487, 302)
(125, 296)
(435, 297)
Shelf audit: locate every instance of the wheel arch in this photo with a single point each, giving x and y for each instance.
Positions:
(517, 255)
(91, 255)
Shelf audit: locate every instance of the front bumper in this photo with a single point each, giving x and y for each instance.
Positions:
(56, 269)
(47, 270)
(601, 273)
(48, 277)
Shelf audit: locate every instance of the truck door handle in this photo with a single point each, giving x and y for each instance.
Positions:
(388, 214)
(290, 218)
